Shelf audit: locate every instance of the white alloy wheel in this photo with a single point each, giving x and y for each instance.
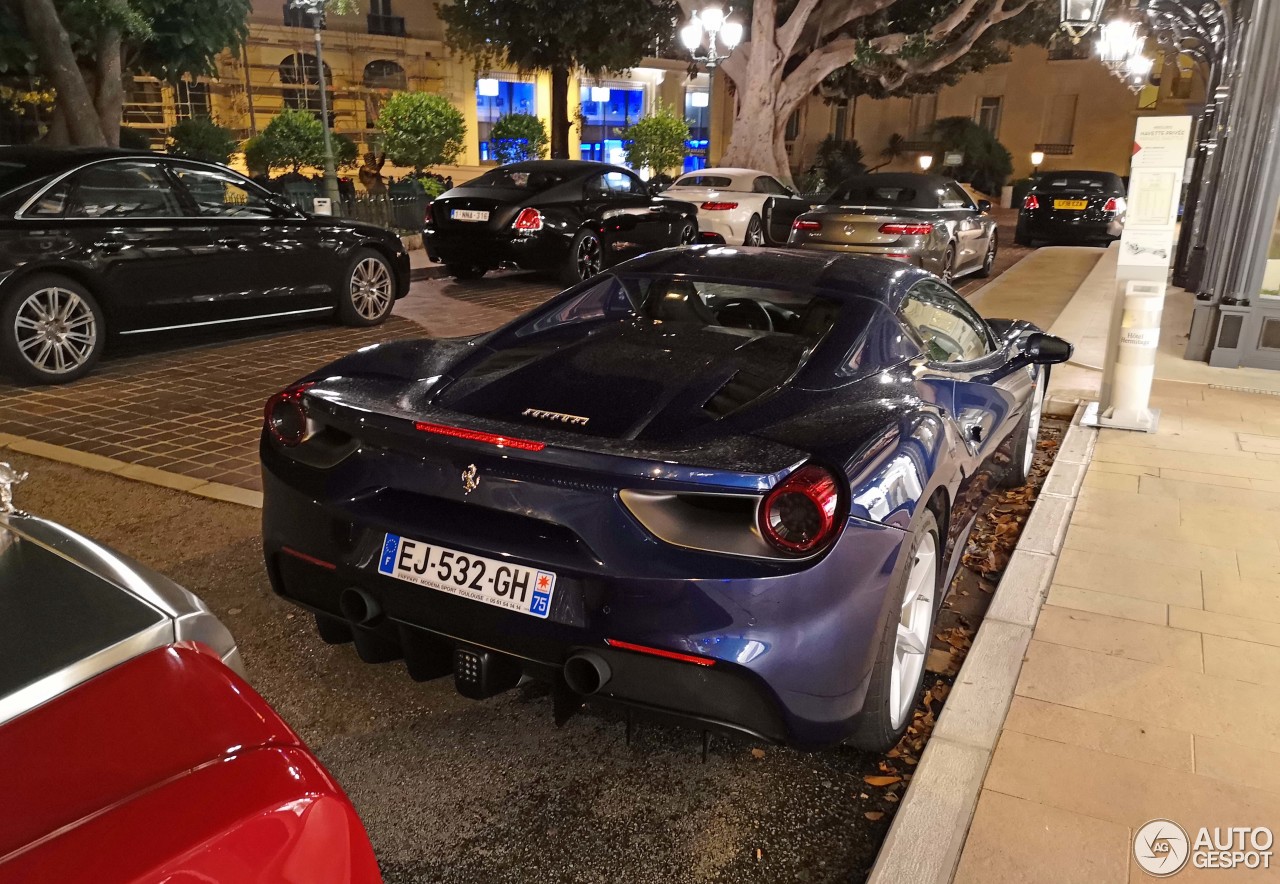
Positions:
(55, 330)
(915, 623)
(371, 288)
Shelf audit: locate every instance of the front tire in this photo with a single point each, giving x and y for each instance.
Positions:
(1026, 437)
(51, 330)
(948, 273)
(585, 258)
(368, 291)
(898, 671)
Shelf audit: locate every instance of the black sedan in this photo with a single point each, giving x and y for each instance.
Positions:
(569, 216)
(1072, 207)
(99, 243)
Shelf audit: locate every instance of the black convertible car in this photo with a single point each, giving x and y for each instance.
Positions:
(96, 243)
(1072, 206)
(571, 216)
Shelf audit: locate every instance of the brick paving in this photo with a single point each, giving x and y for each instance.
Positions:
(192, 405)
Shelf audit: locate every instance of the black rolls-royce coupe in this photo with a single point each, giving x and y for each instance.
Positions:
(571, 216)
(97, 243)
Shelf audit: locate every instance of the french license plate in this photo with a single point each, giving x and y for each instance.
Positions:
(468, 215)
(514, 587)
(1076, 205)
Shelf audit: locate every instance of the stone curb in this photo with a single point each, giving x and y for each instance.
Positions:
(929, 830)
(136, 472)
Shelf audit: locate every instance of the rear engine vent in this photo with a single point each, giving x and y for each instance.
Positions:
(743, 388)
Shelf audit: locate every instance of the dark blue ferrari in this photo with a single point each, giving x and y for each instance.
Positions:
(724, 484)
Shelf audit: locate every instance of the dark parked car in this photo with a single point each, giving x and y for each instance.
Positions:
(100, 243)
(135, 750)
(726, 484)
(1072, 207)
(570, 216)
(925, 220)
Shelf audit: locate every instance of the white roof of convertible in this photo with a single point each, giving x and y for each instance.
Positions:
(742, 178)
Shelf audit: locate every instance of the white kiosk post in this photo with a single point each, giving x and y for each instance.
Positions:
(1146, 249)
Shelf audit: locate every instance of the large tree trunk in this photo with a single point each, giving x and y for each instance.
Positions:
(759, 128)
(109, 102)
(560, 113)
(57, 61)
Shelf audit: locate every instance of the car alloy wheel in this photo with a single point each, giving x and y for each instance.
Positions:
(688, 234)
(990, 260)
(915, 623)
(588, 257)
(55, 330)
(949, 267)
(755, 232)
(371, 288)
(1033, 427)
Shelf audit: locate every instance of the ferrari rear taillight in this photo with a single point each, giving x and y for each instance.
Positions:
(1031, 202)
(712, 206)
(528, 220)
(1111, 205)
(806, 224)
(800, 516)
(286, 417)
(922, 229)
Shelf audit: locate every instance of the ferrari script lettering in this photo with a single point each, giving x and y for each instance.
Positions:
(573, 419)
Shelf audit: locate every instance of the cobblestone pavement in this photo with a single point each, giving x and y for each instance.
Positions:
(192, 405)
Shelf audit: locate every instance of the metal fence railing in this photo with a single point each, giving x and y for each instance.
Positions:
(402, 209)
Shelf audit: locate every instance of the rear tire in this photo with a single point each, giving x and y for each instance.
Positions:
(948, 273)
(465, 271)
(989, 262)
(51, 330)
(1025, 437)
(898, 671)
(755, 232)
(585, 258)
(368, 291)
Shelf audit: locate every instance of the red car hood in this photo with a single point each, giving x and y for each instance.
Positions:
(170, 767)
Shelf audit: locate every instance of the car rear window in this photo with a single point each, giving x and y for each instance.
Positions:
(704, 181)
(533, 180)
(863, 192)
(1079, 182)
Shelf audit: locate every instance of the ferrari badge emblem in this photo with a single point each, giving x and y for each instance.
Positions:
(470, 479)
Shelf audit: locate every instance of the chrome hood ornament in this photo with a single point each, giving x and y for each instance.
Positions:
(8, 478)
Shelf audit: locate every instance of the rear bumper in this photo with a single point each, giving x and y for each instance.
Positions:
(1067, 228)
(539, 251)
(790, 655)
(913, 256)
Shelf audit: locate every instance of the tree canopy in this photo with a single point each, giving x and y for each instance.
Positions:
(559, 37)
(517, 137)
(420, 129)
(84, 48)
(656, 141)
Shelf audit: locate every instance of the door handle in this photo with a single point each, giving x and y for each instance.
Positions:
(655, 208)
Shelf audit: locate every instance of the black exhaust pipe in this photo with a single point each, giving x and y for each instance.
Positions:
(359, 607)
(585, 672)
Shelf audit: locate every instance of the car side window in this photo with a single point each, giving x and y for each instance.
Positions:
(52, 203)
(221, 195)
(612, 184)
(124, 189)
(953, 197)
(950, 329)
(767, 184)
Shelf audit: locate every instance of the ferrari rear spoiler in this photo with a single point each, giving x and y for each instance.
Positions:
(737, 462)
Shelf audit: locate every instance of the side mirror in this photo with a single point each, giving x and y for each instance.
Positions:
(984, 206)
(1043, 349)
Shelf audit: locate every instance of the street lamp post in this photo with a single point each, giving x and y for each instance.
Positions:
(315, 9)
(710, 37)
(1079, 17)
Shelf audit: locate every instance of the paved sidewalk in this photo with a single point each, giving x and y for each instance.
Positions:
(1148, 688)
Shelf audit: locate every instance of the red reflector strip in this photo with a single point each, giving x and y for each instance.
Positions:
(312, 560)
(896, 255)
(477, 436)
(658, 652)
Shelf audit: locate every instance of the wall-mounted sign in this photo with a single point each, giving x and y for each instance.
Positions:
(953, 158)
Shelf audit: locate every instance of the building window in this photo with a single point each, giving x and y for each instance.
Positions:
(840, 120)
(381, 20)
(989, 113)
(1059, 125)
(191, 100)
(300, 84)
(381, 78)
(1271, 274)
(697, 112)
(497, 98)
(924, 111)
(793, 126)
(144, 103)
(607, 111)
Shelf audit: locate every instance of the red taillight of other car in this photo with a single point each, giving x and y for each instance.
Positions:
(286, 418)
(800, 516)
(1030, 202)
(528, 220)
(1111, 205)
(806, 224)
(923, 229)
(712, 206)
